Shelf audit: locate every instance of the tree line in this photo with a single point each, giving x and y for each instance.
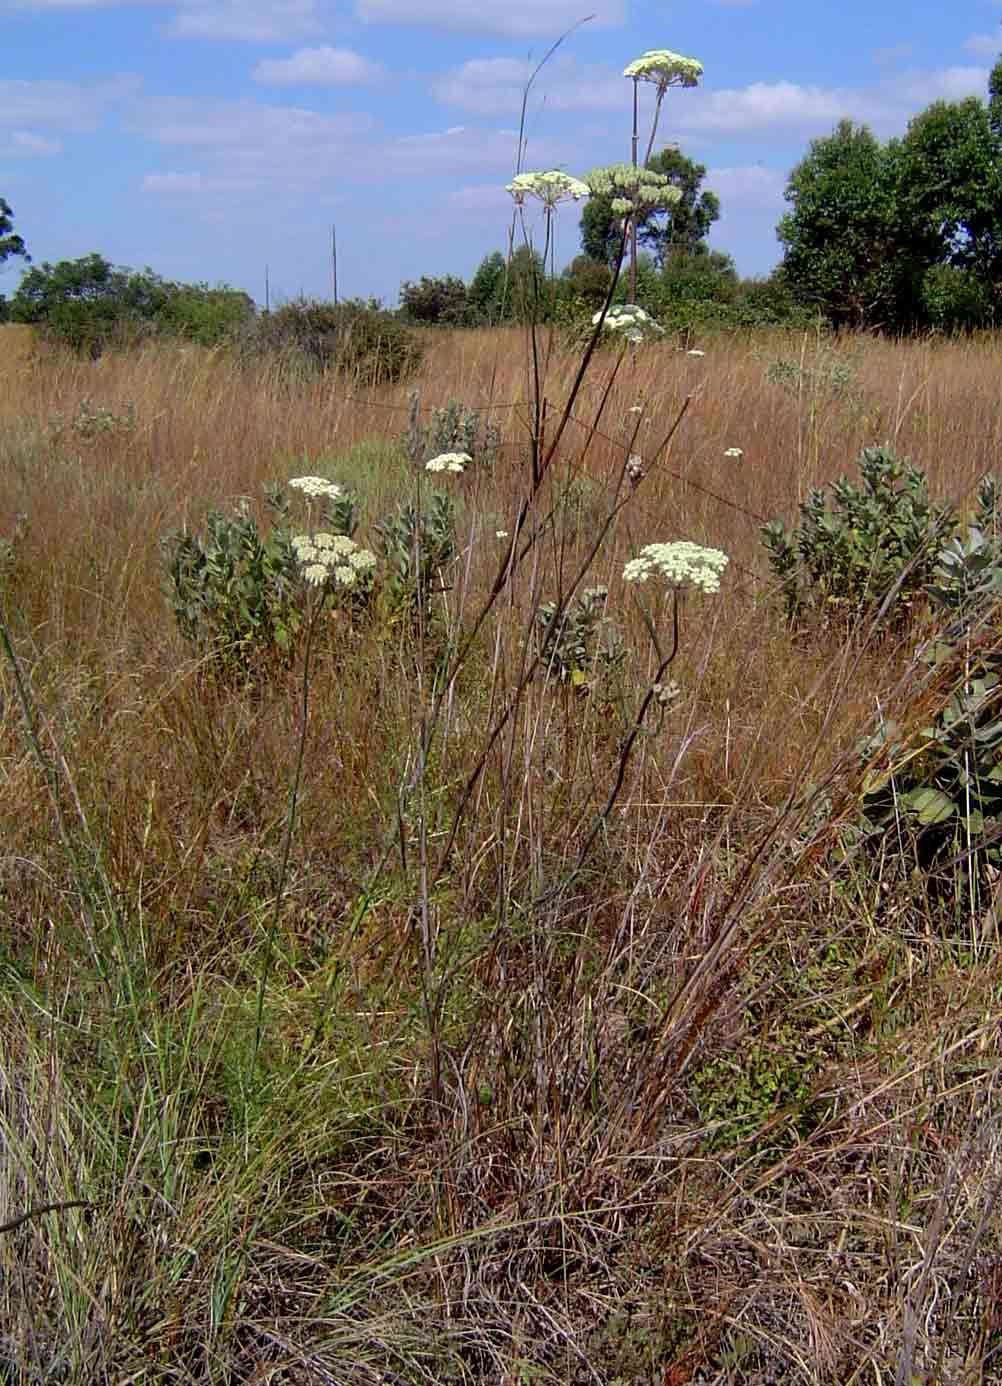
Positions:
(900, 235)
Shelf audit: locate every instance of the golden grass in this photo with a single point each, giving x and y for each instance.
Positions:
(483, 1127)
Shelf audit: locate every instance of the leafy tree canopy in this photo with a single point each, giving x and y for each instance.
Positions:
(10, 242)
(850, 249)
(951, 185)
(907, 233)
(666, 232)
(503, 290)
(434, 300)
(89, 302)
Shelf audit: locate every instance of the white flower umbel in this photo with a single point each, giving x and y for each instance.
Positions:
(736, 453)
(695, 351)
(665, 69)
(549, 188)
(631, 189)
(332, 560)
(316, 486)
(680, 564)
(630, 320)
(449, 462)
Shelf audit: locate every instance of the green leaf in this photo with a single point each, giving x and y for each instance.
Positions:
(929, 805)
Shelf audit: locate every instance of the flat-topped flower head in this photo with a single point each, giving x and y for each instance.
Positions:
(680, 564)
(631, 189)
(449, 462)
(337, 545)
(665, 69)
(695, 351)
(332, 560)
(736, 453)
(630, 321)
(316, 486)
(550, 188)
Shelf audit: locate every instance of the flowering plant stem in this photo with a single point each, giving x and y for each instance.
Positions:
(290, 824)
(627, 751)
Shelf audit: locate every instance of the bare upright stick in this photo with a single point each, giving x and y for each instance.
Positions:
(633, 218)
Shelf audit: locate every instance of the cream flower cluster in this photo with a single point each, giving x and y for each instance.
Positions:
(332, 558)
(680, 564)
(551, 188)
(316, 486)
(630, 320)
(449, 462)
(665, 68)
(632, 189)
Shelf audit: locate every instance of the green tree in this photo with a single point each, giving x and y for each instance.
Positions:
(89, 303)
(434, 300)
(486, 292)
(951, 185)
(10, 242)
(851, 249)
(510, 290)
(679, 230)
(587, 279)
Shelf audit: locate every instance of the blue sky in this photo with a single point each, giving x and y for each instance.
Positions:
(209, 138)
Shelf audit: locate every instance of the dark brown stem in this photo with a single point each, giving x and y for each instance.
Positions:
(15, 1223)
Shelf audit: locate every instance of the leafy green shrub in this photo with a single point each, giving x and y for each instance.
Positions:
(12, 567)
(93, 421)
(238, 594)
(944, 782)
(830, 375)
(235, 593)
(354, 338)
(582, 642)
(876, 546)
(89, 304)
(456, 428)
(417, 545)
(441, 300)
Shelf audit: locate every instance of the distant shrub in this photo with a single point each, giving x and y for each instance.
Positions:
(89, 304)
(956, 300)
(440, 301)
(93, 421)
(455, 427)
(355, 338)
(876, 542)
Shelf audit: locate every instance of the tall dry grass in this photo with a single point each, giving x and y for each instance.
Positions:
(699, 1104)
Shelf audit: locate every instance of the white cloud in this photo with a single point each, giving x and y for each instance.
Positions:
(251, 21)
(9, 6)
(461, 151)
(748, 188)
(515, 18)
(984, 45)
(267, 151)
(173, 183)
(27, 144)
(794, 109)
(322, 67)
(894, 53)
(70, 106)
(481, 199)
(494, 86)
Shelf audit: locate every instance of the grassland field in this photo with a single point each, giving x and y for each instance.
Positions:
(519, 1059)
